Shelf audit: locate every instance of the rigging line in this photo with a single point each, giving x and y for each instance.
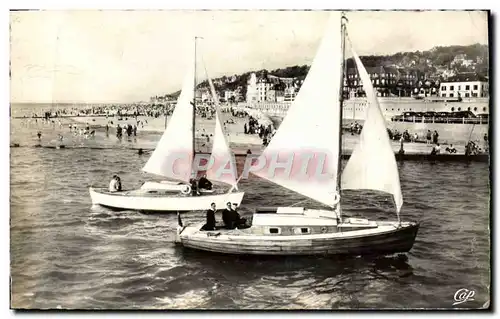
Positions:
(472, 130)
(343, 28)
(214, 94)
(193, 103)
(218, 117)
(299, 202)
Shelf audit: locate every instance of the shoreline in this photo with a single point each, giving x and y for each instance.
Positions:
(443, 157)
(240, 142)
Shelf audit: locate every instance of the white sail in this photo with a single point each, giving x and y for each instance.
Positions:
(372, 164)
(173, 156)
(311, 127)
(223, 166)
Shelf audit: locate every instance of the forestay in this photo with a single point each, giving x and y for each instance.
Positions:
(311, 126)
(173, 156)
(372, 164)
(223, 166)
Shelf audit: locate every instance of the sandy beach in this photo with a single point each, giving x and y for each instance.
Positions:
(238, 140)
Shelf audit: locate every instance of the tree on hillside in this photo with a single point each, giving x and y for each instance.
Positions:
(444, 58)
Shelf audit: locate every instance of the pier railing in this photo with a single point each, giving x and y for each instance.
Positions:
(447, 120)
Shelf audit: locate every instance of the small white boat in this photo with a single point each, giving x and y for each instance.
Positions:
(313, 123)
(158, 200)
(174, 158)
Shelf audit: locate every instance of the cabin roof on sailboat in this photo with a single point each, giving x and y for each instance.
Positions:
(293, 216)
(274, 219)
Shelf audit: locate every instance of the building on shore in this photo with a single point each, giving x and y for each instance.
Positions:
(203, 96)
(233, 95)
(400, 91)
(271, 89)
(263, 88)
(252, 95)
(387, 81)
(162, 99)
(289, 94)
(280, 96)
(465, 85)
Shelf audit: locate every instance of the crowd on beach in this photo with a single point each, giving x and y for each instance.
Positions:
(396, 135)
(430, 138)
(42, 121)
(130, 110)
(253, 127)
(151, 110)
(474, 148)
(86, 132)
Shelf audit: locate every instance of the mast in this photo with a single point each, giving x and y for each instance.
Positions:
(343, 19)
(194, 101)
(165, 110)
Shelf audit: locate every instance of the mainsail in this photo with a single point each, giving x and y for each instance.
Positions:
(372, 164)
(311, 126)
(223, 166)
(173, 156)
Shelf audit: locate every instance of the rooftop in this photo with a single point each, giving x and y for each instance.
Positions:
(385, 70)
(467, 77)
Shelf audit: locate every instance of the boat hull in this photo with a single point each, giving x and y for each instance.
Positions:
(381, 241)
(134, 200)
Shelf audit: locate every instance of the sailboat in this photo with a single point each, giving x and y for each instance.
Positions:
(372, 166)
(174, 158)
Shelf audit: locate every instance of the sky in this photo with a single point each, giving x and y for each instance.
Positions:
(127, 56)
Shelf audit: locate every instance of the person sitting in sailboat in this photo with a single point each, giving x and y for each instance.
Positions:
(238, 221)
(204, 183)
(226, 215)
(113, 184)
(194, 187)
(210, 224)
(118, 183)
(231, 218)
